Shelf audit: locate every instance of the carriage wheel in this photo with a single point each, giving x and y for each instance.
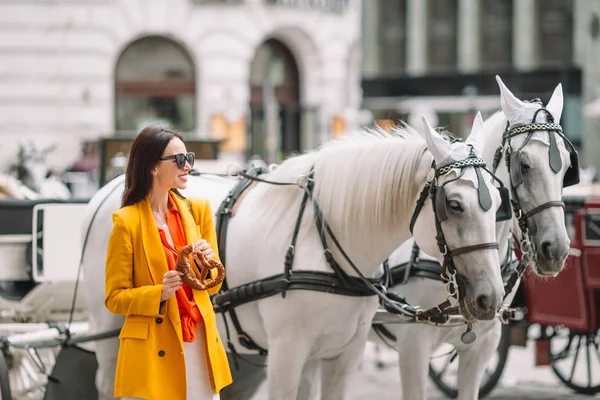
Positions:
(576, 359)
(27, 372)
(443, 369)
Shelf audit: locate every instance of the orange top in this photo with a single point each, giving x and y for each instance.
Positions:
(188, 310)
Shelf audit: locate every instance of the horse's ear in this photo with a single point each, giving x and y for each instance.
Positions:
(476, 137)
(509, 103)
(437, 145)
(555, 105)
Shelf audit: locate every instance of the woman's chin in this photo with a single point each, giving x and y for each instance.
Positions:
(181, 182)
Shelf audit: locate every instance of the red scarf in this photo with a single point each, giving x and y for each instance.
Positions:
(188, 310)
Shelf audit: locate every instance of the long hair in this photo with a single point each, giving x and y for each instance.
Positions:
(146, 151)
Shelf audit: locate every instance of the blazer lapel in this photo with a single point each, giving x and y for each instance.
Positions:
(155, 256)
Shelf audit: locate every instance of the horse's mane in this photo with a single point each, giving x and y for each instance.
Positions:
(365, 177)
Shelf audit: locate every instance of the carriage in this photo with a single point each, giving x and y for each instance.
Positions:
(40, 247)
(561, 315)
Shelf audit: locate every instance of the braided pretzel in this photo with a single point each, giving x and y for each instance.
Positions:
(194, 278)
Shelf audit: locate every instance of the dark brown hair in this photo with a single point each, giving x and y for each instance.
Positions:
(146, 150)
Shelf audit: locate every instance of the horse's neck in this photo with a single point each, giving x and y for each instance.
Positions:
(378, 210)
(493, 141)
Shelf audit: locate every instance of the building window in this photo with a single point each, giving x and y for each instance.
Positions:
(392, 36)
(496, 33)
(275, 113)
(154, 82)
(442, 35)
(555, 32)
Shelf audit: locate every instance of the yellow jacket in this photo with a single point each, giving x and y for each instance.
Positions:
(151, 364)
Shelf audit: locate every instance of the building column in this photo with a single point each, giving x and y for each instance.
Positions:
(468, 35)
(370, 39)
(416, 41)
(524, 34)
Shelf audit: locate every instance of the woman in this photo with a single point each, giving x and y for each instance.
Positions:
(169, 345)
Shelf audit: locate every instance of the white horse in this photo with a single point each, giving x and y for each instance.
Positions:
(366, 186)
(550, 246)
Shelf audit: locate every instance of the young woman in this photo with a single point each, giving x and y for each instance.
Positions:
(169, 345)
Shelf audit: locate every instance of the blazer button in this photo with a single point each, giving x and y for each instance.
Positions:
(161, 353)
(159, 320)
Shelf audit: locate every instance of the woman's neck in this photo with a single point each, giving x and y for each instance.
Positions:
(159, 200)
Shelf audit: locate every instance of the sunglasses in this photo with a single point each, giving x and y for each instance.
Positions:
(181, 158)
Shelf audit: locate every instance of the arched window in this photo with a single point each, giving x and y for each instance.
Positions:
(274, 102)
(154, 82)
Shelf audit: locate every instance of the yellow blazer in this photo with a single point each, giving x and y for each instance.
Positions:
(151, 363)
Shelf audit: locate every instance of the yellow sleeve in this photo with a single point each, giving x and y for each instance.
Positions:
(121, 296)
(210, 235)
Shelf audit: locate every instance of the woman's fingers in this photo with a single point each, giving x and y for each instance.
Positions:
(200, 243)
(171, 274)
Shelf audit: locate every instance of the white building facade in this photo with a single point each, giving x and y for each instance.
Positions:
(271, 77)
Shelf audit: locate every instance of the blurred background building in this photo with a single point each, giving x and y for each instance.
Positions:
(260, 77)
(439, 58)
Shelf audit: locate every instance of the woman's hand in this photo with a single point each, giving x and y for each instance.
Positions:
(203, 246)
(171, 283)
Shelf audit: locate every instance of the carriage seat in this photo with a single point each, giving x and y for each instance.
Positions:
(17, 277)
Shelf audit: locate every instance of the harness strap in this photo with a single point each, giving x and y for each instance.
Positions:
(339, 283)
(477, 247)
(289, 256)
(225, 212)
(420, 203)
(542, 207)
(414, 260)
(323, 228)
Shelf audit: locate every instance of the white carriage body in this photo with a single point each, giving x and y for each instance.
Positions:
(40, 249)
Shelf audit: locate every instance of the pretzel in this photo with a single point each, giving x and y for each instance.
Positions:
(194, 278)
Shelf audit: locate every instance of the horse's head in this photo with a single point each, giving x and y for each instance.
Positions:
(540, 162)
(459, 229)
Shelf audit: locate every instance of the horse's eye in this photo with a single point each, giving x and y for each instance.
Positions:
(525, 166)
(455, 205)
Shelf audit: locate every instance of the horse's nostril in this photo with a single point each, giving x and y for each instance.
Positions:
(483, 302)
(547, 249)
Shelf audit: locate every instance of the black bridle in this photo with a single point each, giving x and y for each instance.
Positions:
(513, 164)
(436, 192)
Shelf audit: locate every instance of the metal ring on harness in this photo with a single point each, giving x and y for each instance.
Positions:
(303, 181)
